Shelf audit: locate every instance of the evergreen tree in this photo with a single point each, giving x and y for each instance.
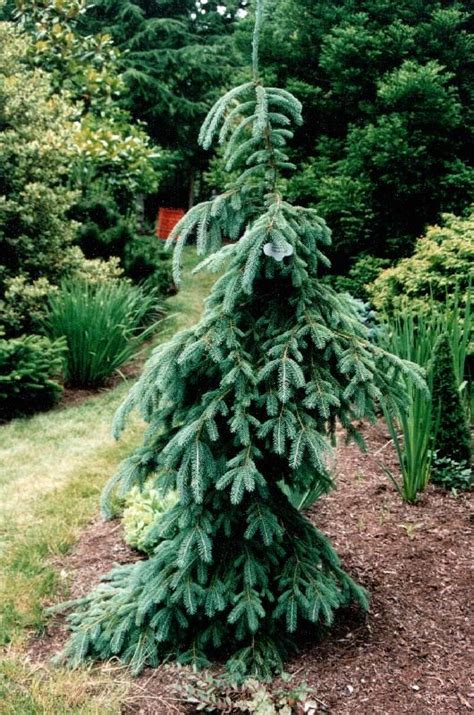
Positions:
(452, 439)
(175, 56)
(239, 407)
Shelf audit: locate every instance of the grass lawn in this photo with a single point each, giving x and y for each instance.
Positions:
(52, 469)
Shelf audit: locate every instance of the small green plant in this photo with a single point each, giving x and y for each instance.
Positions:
(410, 529)
(411, 337)
(104, 325)
(143, 509)
(222, 695)
(146, 258)
(452, 475)
(29, 366)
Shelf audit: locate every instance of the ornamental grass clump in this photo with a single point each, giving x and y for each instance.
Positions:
(237, 406)
(104, 325)
(414, 423)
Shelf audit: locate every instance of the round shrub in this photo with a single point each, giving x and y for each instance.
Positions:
(29, 366)
(442, 259)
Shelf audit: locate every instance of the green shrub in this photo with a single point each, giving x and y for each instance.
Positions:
(104, 325)
(451, 434)
(442, 259)
(37, 129)
(97, 270)
(143, 509)
(103, 230)
(23, 305)
(451, 475)
(364, 271)
(146, 258)
(29, 366)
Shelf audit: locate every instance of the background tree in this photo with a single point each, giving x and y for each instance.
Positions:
(239, 407)
(37, 147)
(175, 57)
(115, 162)
(387, 90)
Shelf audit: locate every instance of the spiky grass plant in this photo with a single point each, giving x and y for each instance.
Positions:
(239, 405)
(104, 325)
(413, 423)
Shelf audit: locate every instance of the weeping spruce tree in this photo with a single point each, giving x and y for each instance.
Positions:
(240, 408)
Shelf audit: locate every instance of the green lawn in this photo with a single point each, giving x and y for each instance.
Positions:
(52, 469)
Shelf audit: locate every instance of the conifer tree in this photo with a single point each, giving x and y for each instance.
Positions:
(238, 406)
(452, 440)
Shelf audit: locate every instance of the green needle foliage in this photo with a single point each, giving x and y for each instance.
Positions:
(29, 368)
(244, 401)
(452, 438)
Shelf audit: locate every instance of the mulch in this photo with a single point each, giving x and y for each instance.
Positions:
(411, 654)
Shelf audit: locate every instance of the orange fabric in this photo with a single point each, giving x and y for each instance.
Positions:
(167, 220)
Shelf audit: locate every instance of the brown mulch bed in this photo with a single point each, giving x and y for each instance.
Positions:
(411, 654)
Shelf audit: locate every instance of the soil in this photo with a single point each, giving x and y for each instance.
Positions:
(412, 653)
(74, 396)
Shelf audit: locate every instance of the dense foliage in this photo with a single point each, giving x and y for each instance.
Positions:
(36, 150)
(452, 438)
(175, 57)
(115, 162)
(387, 89)
(29, 368)
(242, 402)
(442, 260)
(103, 323)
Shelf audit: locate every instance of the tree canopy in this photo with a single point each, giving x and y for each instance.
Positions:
(387, 89)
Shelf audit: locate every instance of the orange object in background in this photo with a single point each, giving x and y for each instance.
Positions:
(167, 220)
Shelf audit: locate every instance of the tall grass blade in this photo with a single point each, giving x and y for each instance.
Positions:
(104, 325)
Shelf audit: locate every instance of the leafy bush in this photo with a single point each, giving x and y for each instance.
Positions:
(37, 147)
(452, 439)
(104, 325)
(451, 475)
(28, 368)
(143, 509)
(103, 230)
(96, 270)
(442, 259)
(23, 304)
(364, 271)
(146, 257)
